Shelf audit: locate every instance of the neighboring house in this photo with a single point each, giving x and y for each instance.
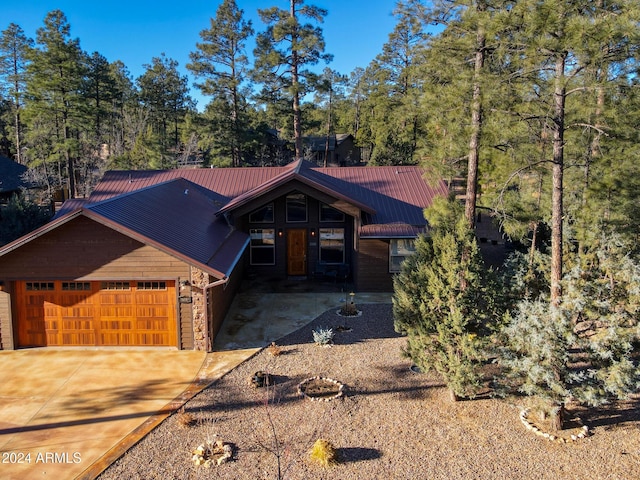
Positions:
(339, 150)
(154, 258)
(11, 181)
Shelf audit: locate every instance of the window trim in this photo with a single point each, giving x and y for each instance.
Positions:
(151, 285)
(115, 286)
(273, 215)
(322, 204)
(253, 247)
(40, 286)
(306, 207)
(344, 249)
(76, 286)
(396, 255)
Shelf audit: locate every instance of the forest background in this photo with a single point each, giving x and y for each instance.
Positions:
(454, 78)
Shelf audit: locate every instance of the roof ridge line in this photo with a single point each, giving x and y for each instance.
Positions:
(143, 189)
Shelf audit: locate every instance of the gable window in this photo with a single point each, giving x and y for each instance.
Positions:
(330, 214)
(263, 246)
(262, 215)
(296, 207)
(332, 245)
(399, 249)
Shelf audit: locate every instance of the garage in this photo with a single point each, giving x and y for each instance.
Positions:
(107, 313)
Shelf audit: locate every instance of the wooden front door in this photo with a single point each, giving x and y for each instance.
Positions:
(297, 251)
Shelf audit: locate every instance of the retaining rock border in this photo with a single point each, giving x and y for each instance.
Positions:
(524, 418)
(321, 399)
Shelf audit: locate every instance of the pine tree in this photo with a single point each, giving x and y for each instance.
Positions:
(220, 59)
(290, 45)
(165, 93)
(393, 118)
(445, 324)
(14, 58)
(581, 349)
(54, 93)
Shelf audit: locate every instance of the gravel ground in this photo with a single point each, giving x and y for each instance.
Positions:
(390, 424)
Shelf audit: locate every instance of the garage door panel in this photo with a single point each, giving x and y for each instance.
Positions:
(97, 313)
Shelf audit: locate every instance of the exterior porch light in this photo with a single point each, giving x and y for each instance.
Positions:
(280, 232)
(313, 232)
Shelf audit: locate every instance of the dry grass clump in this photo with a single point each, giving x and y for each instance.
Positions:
(185, 419)
(324, 453)
(274, 349)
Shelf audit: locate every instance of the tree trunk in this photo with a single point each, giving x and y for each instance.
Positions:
(454, 396)
(235, 118)
(16, 98)
(71, 171)
(476, 125)
(557, 209)
(557, 418)
(295, 85)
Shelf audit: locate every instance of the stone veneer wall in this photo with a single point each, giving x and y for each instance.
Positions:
(199, 280)
(6, 334)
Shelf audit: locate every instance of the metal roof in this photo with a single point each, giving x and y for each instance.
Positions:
(391, 230)
(181, 212)
(388, 194)
(178, 217)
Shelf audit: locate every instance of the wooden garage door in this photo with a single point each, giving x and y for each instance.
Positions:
(126, 313)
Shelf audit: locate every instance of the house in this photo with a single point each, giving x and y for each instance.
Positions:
(153, 258)
(339, 149)
(11, 181)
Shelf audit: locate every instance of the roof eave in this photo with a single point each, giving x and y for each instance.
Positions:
(153, 243)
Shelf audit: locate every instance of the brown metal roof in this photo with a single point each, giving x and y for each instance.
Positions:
(226, 182)
(387, 194)
(304, 172)
(391, 230)
(178, 211)
(178, 217)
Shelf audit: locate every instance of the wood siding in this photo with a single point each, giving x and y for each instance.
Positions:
(373, 266)
(185, 310)
(86, 250)
(220, 299)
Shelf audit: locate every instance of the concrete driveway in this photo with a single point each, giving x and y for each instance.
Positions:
(69, 413)
(61, 411)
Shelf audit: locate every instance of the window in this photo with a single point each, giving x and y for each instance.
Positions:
(332, 245)
(296, 207)
(152, 285)
(40, 286)
(262, 215)
(399, 249)
(76, 286)
(330, 214)
(263, 246)
(115, 286)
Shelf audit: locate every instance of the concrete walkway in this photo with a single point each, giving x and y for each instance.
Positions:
(69, 413)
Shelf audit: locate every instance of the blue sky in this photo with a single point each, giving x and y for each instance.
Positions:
(135, 31)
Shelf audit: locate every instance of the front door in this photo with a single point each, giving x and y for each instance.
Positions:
(297, 251)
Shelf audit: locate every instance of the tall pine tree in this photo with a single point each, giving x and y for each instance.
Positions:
(221, 61)
(284, 52)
